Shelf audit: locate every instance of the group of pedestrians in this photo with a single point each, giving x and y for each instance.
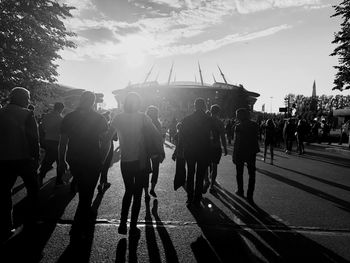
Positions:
(82, 142)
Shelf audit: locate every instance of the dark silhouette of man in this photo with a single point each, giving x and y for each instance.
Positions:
(19, 156)
(80, 145)
(245, 148)
(195, 133)
(51, 125)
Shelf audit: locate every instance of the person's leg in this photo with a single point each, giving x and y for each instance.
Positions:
(202, 165)
(214, 173)
(251, 182)
(155, 174)
(28, 174)
(106, 166)
(265, 151)
(139, 181)
(128, 178)
(239, 177)
(191, 167)
(8, 170)
(271, 152)
(145, 187)
(86, 179)
(51, 155)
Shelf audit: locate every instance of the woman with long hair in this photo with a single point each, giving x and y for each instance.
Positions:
(131, 126)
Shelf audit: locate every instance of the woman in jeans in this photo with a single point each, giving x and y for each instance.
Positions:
(135, 164)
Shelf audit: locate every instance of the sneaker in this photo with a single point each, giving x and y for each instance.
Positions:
(122, 229)
(152, 193)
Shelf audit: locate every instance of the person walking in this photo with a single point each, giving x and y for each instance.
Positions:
(51, 125)
(195, 133)
(104, 184)
(80, 146)
(19, 156)
(218, 139)
(153, 112)
(134, 129)
(300, 135)
(269, 140)
(245, 148)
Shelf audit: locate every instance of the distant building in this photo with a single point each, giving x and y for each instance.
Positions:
(175, 99)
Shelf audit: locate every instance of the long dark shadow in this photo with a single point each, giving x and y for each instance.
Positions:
(170, 251)
(152, 246)
(133, 244)
(342, 204)
(287, 243)
(33, 240)
(80, 250)
(341, 186)
(222, 238)
(325, 158)
(121, 251)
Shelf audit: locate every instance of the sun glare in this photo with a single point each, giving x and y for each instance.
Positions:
(109, 100)
(134, 48)
(134, 58)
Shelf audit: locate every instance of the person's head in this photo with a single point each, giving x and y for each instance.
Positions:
(215, 110)
(152, 112)
(20, 97)
(58, 106)
(132, 102)
(242, 114)
(87, 100)
(199, 104)
(269, 123)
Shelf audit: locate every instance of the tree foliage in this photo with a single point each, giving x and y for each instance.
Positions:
(342, 39)
(31, 34)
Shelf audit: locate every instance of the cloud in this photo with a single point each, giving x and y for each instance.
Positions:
(144, 45)
(183, 30)
(210, 45)
(252, 6)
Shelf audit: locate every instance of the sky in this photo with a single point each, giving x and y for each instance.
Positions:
(272, 47)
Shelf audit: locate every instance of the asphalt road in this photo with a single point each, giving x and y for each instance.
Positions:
(301, 212)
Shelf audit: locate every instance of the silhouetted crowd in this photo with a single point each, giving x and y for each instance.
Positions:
(81, 143)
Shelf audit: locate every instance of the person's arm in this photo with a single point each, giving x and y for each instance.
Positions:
(62, 149)
(107, 134)
(32, 135)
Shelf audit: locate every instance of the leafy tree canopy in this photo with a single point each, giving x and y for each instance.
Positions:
(342, 39)
(31, 34)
